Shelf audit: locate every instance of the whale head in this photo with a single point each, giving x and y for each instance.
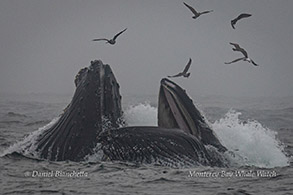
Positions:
(176, 110)
(96, 101)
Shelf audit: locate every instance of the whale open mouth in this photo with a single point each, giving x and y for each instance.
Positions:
(176, 110)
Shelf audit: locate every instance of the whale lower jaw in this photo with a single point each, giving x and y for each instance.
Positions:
(155, 145)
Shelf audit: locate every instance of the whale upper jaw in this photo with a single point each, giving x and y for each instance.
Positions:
(176, 110)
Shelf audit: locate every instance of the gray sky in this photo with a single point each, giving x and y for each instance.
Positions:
(43, 44)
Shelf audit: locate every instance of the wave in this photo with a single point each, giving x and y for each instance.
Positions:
(11, 118)
(10, 122)
(19, 156)
(286, 109)
(290, 109)
(14, 114)
(41, 122)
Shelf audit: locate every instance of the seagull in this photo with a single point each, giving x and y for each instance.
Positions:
(234, 21)
(245, 58)
(111, 41)
(184, 73)
(196, 14)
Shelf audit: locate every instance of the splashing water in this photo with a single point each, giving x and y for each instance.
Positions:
(248, 142)
(253, 144)
(27, 145)
(142, 115)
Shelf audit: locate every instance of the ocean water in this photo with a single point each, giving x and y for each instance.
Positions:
(256, 131)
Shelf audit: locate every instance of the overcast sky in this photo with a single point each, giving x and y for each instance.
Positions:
(44, 43)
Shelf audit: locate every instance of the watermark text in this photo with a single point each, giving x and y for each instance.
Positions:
(55, 174)
(233, 174)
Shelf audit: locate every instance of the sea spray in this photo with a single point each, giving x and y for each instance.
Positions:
(249, 141)
(141, 115)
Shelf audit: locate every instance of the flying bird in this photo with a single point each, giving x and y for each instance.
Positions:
(241, 16)
(111, 41)
(245, 58)
(196, 14)
(184, 73)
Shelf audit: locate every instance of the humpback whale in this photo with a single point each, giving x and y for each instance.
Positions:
(96, 101)
(94, 119)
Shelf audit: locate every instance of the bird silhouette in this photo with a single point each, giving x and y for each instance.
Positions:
(196, 14)
(184, 73)
(245, 58)
(234, 21)
(111, 41)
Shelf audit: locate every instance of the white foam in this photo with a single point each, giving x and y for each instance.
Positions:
(252, 143)
(141, 114)
(96, 156)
